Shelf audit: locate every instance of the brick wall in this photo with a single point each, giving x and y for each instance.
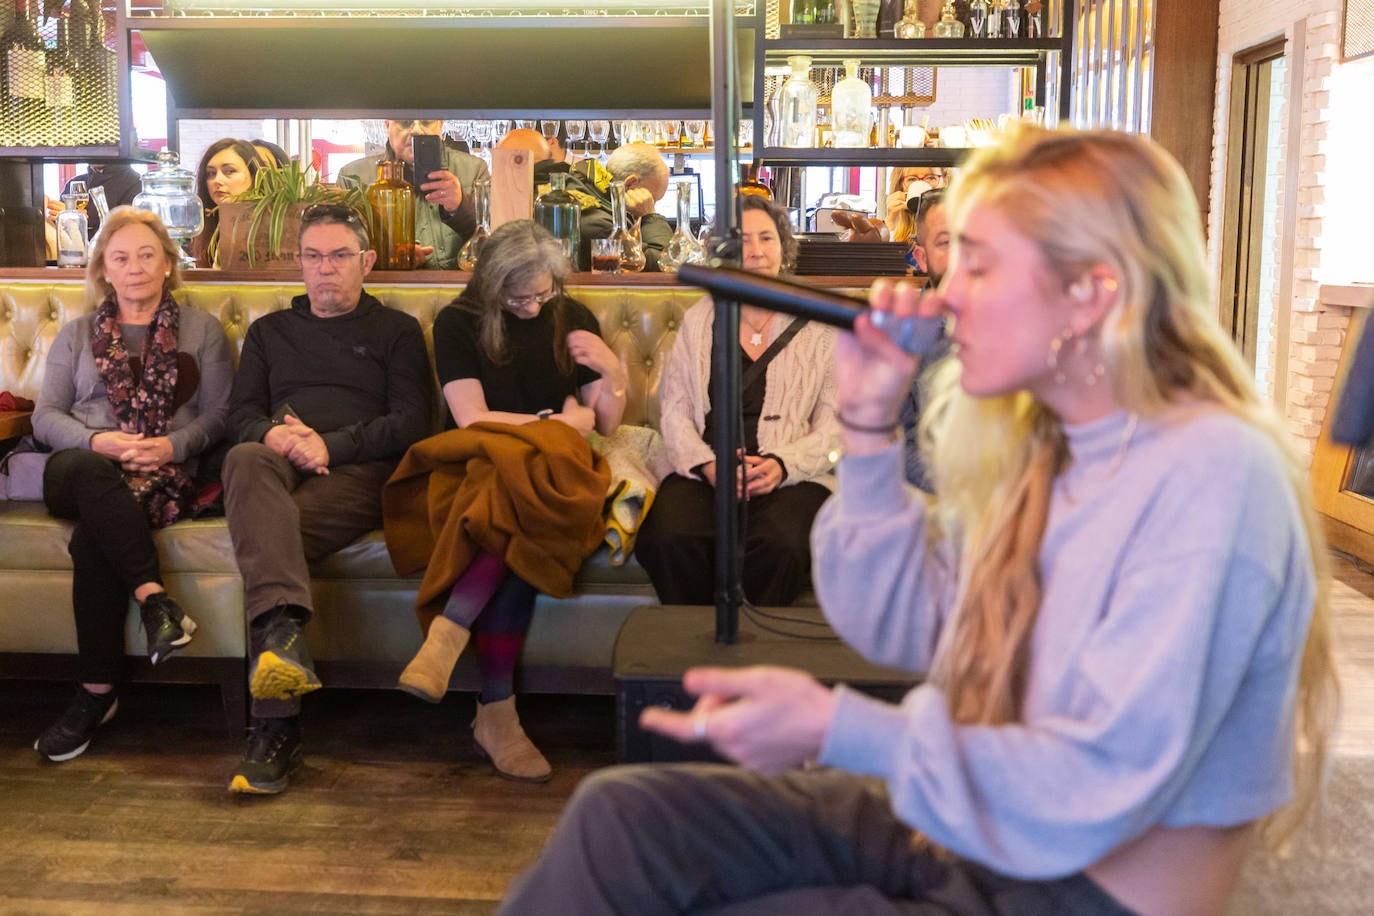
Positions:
(1316, 329)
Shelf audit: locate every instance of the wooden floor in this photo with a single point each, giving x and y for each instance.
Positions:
(395, 813)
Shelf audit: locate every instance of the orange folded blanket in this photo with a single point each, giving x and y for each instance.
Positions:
(532, 494)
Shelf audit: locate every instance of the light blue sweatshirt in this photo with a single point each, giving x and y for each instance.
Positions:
(1177, 589)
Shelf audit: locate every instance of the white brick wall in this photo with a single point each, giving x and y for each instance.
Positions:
(1316, 329)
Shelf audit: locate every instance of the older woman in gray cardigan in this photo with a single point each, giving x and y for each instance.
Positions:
(790, 427)
(132, 393)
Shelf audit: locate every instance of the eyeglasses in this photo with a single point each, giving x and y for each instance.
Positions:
(521, 302)
(337, 259)
(420, 124)
(334, 213)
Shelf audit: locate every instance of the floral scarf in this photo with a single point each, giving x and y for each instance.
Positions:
(144, 405)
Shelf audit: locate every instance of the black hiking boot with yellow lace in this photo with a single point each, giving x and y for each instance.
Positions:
(272, 754)
(283, 668)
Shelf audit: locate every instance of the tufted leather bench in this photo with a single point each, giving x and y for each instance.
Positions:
(364, 629)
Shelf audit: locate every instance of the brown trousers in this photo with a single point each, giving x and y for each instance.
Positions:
(280, 520)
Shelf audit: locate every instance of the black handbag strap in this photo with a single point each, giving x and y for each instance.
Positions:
(759, 365)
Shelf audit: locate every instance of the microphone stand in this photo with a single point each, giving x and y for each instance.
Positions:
(726, 377)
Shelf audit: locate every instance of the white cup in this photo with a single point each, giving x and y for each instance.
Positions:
(953, 137)
(911, 136)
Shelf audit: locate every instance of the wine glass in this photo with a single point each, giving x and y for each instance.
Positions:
(549, 129)
(671, 131)
(500, 128)
(481, 137)
(527, 123)
(646, 131)
(624, 131)
(576, 129)
(746, 132)
(696, 132)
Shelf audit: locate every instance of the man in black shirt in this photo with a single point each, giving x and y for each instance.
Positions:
(329, 395)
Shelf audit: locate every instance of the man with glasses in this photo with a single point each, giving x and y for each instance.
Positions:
(329, 395)
(444, 217)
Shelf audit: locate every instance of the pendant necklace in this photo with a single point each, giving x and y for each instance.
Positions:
(756, 338)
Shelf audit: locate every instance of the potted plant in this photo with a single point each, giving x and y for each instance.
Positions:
(253, 226)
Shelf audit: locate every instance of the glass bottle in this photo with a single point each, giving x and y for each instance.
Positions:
(803, 12)
(752, 184)
(911, 26)
(949, 26)
(851, 108)
(481, 207)
(799, 97)
(1012, 26)
(71, 229)
(683, 247)
(559, 212)
(24, 71)
(978, 18)
(996, 17)
(1035, 26)
(393, 217)
(58, 86)
(631, 250)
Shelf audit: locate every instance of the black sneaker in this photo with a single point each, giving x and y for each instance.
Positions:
(71, 734)
(166, 625)
(283, 668)
(273, 753)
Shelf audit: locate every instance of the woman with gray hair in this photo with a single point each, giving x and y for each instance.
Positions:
(512, 350)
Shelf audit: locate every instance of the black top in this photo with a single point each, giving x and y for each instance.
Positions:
(360, 380)
(750, 408)
(531, 381)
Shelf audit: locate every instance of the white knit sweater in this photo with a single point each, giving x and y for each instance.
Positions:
(798, 424)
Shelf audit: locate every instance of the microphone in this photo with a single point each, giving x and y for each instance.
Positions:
(914, 334)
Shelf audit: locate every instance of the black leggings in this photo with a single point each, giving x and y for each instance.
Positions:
(112, 554)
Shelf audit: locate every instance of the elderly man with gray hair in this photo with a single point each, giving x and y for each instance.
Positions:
(645, 174)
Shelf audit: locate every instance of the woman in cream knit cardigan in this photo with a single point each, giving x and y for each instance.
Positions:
(789, 432)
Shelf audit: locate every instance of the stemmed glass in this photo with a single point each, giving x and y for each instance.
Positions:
(458, 130)
(576, 129)
(598, 132)
(481, 136)
(624, 131)
(671, 130)
(696, 132)
(646, 131)
(526, 124)
(500, 129)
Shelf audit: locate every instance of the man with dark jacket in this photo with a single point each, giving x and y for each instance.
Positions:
(645, 174)
(329, 395)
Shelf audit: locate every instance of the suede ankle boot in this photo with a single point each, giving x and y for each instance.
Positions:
(428, 673)
(498, 734)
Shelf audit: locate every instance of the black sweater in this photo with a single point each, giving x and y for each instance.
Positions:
(361, 380)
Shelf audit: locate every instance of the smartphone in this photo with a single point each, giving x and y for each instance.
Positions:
(428, 151)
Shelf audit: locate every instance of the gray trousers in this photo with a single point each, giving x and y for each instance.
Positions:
(280, 520)
(705, 838)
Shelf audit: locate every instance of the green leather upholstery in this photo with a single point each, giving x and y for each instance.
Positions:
(364, 629)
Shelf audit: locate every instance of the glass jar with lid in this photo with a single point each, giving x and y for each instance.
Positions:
(170, 192)
(949, 25)
(911, 25)
(798, 106)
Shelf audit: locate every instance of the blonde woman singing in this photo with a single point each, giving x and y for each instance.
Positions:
(1118, 601)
